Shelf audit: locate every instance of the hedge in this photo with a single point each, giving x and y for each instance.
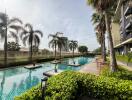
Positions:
(70, 85)
(32, 94)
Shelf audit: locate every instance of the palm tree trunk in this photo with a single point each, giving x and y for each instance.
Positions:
(31, 54)
(60, 52)
(73, 56)
(113, 63)
(5, 48)
(55, 50)
(31, 50)
(73, 53)
(101, 47)
(104, 51)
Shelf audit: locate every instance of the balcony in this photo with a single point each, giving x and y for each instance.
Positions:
(128, 36)
(128, 23)
(120, 29)
(128, 7)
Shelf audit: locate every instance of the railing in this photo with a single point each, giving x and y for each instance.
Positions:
(129, 36)
(127, 6)
(128, 21)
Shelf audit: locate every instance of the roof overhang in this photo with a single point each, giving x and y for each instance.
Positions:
(123, 43)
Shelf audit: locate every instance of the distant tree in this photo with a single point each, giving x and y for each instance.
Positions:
(72, 46)
(98, 50)
(8, 27)
(61, 43)
(35, 48)
(46, 51)
(83, 49)
(31, 37)
(13, 46)
(53, 43)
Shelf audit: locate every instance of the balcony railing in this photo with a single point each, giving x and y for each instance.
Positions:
(128, 23)
(128, 8)
(128, 36)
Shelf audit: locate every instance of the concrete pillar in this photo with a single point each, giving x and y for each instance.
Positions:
(125, 49)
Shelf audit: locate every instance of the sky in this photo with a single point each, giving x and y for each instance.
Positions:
(71, 17)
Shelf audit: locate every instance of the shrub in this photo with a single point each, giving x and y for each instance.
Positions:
(70, 85)
(32, 94)
(61, 87)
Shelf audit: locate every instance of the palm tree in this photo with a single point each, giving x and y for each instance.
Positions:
(53, 42)
(72, 46)
(99, 22)
(31, 37)
(104, 7)
(61, 44)
(8, 25)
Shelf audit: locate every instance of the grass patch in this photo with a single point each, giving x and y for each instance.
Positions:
(121, 73)
(125, 58)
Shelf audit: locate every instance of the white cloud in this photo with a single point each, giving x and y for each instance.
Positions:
(51, 16)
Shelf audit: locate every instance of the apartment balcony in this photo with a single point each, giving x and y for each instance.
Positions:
(128, 23)
(128, 8)
(128, 36)
(120, 20)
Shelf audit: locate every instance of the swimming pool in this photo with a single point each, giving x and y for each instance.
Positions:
(14, 81)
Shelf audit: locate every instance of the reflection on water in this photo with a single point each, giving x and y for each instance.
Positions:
(82, 60)
(10, 88)
(78, 60)
(14, 81)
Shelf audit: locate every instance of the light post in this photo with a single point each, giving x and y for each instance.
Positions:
(43, 86)
(55, 68)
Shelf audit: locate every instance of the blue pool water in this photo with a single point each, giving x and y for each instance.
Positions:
(14, 81)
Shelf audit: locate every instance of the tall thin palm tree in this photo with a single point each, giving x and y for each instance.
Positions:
(31, 37)
(8, 26)
(61, 43)
(53, 41)
(73, 46)
(105, 7)
(99, 22)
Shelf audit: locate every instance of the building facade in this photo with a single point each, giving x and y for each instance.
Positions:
(124, 12)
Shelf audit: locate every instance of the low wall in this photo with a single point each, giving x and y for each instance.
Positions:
(16, 61)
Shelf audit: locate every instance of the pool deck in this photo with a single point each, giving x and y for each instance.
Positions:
(94, 68)
(91, 68)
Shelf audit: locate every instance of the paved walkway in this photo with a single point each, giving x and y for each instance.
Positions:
(91, 68)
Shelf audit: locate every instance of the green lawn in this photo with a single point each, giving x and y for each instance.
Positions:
(124, 58)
